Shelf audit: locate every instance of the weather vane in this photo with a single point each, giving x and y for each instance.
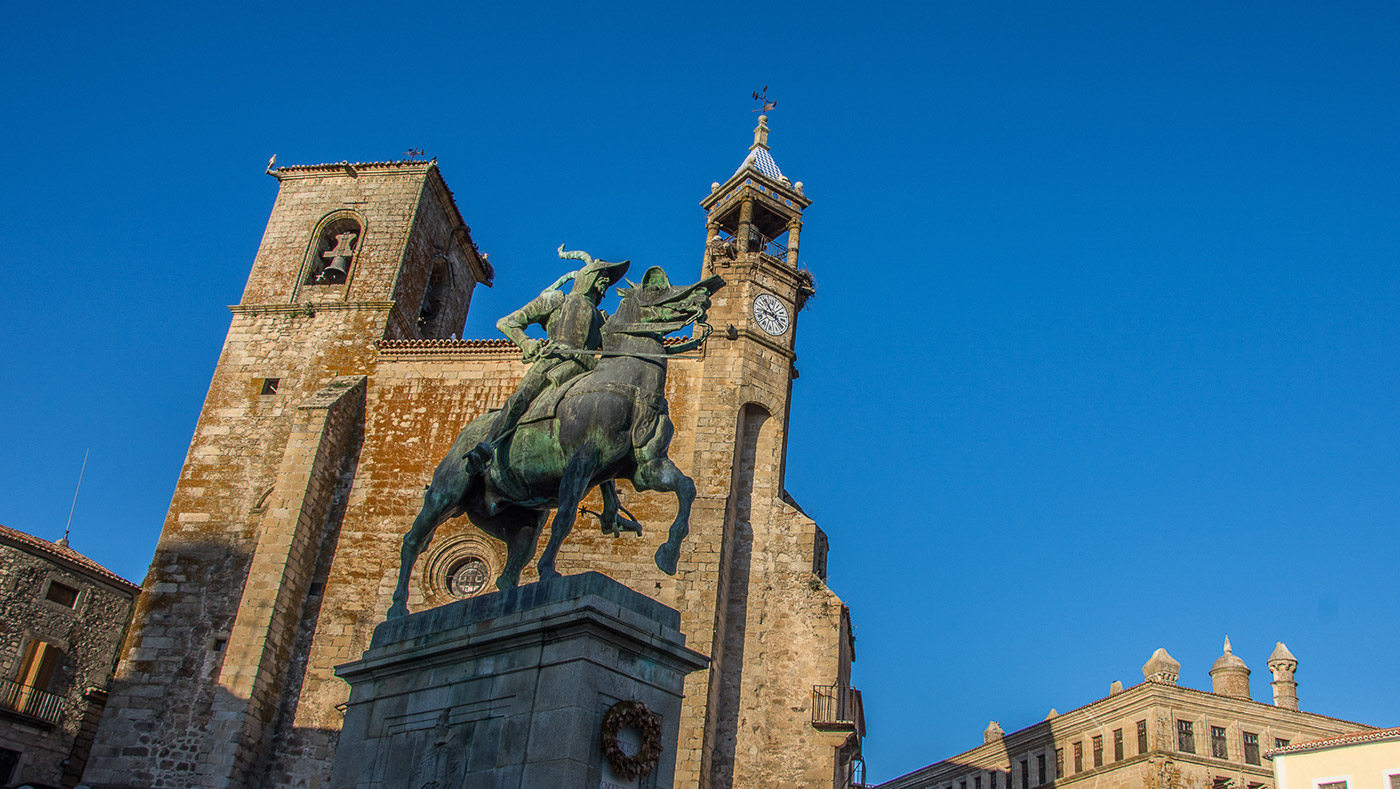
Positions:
(413, 154)
(767, 105)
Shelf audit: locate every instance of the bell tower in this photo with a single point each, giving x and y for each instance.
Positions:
(752, 552)
(352, 254)
(753, 226)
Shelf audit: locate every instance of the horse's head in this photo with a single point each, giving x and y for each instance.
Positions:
(658, 307)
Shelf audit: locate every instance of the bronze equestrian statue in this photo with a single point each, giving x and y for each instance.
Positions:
(607, 420)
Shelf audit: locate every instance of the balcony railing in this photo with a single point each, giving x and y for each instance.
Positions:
(855, 778)
(837, 708)
(757, 242)
(35, 703)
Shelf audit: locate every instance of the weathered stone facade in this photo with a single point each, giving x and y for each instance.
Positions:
(62, 619)
(1154, 735)
(329, 409)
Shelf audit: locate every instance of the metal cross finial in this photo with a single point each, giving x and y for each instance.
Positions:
(766, 105)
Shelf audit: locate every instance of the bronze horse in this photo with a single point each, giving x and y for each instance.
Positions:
(610, 423)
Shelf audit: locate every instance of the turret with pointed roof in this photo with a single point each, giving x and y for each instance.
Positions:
(1229, 676)
(1283, 665)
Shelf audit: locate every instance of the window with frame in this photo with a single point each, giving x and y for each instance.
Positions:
(1040, 768)
(977, 782)
(1079, 757)
(1217, 743)
(962, 785)
(1142, 737)
(1025, 773)
(1117, 745)
(1185, 737)
(992, 776)
(9, 760)
(1280, 742)
(36, 670)
(1251, 747)
(1395, 781)
(1098, 750)
(1333, 785)
(63, 594)
(1059, 762)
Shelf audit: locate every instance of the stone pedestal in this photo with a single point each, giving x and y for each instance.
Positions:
(510, 689)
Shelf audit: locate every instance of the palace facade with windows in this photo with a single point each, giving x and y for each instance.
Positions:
(1154, 735)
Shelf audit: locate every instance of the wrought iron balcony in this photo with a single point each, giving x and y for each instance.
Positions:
(837, 708)
(855, 779)
(26, 700)
(757, 242)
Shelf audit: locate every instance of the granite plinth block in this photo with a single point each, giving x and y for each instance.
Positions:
(509, 689)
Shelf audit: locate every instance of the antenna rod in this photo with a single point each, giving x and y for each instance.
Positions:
(75, 498)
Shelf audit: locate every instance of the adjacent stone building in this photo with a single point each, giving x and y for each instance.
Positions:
(340, 387)
(1154, 735)
(62, 619)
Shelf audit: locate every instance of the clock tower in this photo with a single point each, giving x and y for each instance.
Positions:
(753, 226)
(753, 581)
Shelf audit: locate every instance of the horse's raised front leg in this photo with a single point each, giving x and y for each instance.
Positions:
(521, 540)
(662, 475)
(573, 486)
(438, 506)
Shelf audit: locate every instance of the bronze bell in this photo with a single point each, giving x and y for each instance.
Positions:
(334, 273)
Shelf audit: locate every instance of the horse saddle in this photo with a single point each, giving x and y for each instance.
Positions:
(649, 406)
(544, 406)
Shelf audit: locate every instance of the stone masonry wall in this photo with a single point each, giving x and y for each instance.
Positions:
(169, 688)
(417, 401)
(86, 634)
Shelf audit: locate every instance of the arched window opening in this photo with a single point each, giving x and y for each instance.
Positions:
(432, 309)
(334, 251)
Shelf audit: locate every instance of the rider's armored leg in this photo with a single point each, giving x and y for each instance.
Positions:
(530, 387)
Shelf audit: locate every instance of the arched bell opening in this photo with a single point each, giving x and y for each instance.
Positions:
(333, 250)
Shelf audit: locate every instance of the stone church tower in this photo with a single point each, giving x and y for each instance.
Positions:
(340, 387)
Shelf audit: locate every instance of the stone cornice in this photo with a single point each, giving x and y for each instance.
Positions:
(352, 169)
(732, 187)
(311, 307)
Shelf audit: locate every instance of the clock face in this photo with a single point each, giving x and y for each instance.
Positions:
(770, 313)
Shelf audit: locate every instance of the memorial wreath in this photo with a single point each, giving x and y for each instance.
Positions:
(648, 723)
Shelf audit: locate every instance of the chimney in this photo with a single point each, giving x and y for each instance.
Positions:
(1161, 668)
(993, 733)
(1283, 665)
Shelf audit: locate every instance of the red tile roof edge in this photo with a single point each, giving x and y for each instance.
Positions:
(53, 550)
(461, 346)
(334, 166)
(1353, 738)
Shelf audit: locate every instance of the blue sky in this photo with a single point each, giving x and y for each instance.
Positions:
(1103, 356)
